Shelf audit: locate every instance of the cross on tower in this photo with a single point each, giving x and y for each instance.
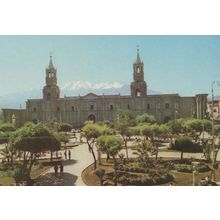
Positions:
(137, 48)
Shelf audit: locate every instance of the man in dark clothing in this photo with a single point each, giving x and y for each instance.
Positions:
(56, 170)
(69, 153)
(61, 170)
(65, 154)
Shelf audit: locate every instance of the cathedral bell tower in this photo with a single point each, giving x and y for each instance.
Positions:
(51, 91)
(138, 86)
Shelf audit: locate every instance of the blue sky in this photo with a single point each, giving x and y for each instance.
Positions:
(173, 64)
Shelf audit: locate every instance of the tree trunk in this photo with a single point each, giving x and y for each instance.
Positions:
(182, 155)
(12, 159)
(156, 154)
(100, 157)
(51, 155)
(101, 181)
(171, 141)
(93, 154)
(107, 158)
(215, 157)
(126, 147)
(24, 156)
(32, 160)
(116, 172)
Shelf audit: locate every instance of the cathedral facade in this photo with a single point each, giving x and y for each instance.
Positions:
(75, 110)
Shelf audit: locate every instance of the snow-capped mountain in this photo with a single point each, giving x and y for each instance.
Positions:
(88, 85)
(76, 88)
(82, 88)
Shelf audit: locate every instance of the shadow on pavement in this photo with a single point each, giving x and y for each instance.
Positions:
(69, 162)
(49, 179)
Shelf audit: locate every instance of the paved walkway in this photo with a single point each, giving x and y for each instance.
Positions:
(81, 158)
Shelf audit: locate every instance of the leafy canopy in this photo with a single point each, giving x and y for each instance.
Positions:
(185, 144)
(7, 127)
(34, 138)
(92, 130)
(62, 137)
(110, 144)
(145, 118)
(65, 127)
(122, 121)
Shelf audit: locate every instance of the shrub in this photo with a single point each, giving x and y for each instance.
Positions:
(134, 167)
(145, 118)
(4, 136)
(18, 174)
(99, 172)
(146, 180)
(65, 127)
(184, 168)
(189, 168)
(6, 127)
(167, 177)
(185, 144)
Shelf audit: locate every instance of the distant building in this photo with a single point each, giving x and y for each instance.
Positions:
(78, 109)
(216, 108)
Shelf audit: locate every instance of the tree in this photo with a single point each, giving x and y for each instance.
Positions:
(1, 117)
(175, 127)
(152, 131)
(7, 127)
(4, 137)
(62, 137)
(32, 140)
(51, 125)
(65, 127)
(143, 151)
(91, 132)
(122, 121)
(112, 145)
(8, 153)
(185, 144)
(147, 131)
(136, 130)
(197, 126)
(164, 131)
(145, 118)
(156, 131)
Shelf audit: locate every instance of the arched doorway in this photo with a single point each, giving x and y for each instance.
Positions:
(92, 118)
(138, 93)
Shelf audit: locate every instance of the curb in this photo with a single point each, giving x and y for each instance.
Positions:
(83, 172)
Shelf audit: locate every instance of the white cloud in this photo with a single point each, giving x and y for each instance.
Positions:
(88, 85)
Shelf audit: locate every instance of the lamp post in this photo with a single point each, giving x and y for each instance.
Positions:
(195, 173)
(213, 144)
(213, 129)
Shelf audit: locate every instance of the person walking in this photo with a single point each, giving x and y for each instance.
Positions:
(56, 170)
(69, 153)
(65, 154)
(61, 170)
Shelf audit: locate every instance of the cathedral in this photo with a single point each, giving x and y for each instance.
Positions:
(75, 110)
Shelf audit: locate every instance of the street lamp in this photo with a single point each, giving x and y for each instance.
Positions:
(195, 173)
(213, 129)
